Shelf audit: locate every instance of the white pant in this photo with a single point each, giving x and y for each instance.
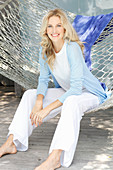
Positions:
(67, 131)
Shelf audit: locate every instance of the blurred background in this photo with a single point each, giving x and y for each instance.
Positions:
(86, 7)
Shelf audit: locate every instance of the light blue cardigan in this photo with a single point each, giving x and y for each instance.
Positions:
(80, 75)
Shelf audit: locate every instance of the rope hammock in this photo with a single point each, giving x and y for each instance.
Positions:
(19, 44)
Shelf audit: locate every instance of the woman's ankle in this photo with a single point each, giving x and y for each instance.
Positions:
(56, 154)
(57, 151)
(10, 139)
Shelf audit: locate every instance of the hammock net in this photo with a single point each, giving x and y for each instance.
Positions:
(19, 44)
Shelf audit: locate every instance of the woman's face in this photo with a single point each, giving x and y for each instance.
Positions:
(55, 30)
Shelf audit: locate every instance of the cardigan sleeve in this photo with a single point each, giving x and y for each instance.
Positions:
(44, 76)
(75, 59)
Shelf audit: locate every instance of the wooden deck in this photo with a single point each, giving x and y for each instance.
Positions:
(95, 146)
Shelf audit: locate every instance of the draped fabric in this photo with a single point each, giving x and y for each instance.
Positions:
(89, 29)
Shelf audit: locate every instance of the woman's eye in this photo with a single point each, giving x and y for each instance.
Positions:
(49, 26)
(59, 25)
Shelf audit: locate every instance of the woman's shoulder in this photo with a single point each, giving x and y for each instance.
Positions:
(72, 44)
(73, 51)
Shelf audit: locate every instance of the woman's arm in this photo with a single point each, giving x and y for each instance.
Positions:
(44, 77)
(42, 86)
(53, 105)
(37, 107)
(39, 100)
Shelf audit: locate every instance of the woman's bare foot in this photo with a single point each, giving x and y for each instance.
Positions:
(52, 162)
(8, 147)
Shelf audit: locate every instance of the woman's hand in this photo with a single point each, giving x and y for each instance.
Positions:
(40, 115)
(37, 107)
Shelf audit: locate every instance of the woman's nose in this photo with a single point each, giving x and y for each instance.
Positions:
(54, 30)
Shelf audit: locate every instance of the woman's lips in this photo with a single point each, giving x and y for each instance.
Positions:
(55, 35)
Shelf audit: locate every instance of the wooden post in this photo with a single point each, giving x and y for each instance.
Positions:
(18, 90)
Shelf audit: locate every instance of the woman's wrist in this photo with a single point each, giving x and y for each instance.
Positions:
(49, 108)
(53, 105)
(39, 100)
(39, 104)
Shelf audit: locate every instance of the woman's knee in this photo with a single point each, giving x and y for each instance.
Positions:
(74, 104)
(71, 100)
(70, 104)
(30, 93)
(71, 108)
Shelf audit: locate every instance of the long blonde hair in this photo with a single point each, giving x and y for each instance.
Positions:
(46, 43)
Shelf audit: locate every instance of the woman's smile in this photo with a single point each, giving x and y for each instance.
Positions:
(55, 35)
(55, 30)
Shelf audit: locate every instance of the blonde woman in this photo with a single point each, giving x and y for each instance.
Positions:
(76, 91)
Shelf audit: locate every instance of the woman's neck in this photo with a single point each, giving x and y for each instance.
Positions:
(58, 46)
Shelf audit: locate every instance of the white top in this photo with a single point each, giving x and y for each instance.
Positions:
(61, 69)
